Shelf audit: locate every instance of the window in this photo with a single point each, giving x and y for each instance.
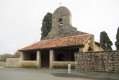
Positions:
(90, 48)
(60, 23)
(60, 20)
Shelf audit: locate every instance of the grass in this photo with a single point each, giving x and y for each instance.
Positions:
(2, 64)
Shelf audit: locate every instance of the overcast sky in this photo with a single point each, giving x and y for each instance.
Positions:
(21, 20)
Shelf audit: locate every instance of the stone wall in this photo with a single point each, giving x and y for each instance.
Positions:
(105, 61)
(63, 64)
(12, 62)
(29, 64)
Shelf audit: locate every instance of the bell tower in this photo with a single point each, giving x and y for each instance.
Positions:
(61, 19)
(61, 24)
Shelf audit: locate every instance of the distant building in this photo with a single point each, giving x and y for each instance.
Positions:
(57, 49)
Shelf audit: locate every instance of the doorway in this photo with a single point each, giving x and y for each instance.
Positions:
(45, 59)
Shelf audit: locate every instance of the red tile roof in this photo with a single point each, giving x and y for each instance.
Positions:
(58, 42)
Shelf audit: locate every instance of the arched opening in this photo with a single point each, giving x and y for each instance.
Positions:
(90, 48)
(60, 20)
(60, 23)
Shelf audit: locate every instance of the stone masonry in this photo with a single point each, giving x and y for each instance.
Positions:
(105, 61)
(62, 25)
(12, 62)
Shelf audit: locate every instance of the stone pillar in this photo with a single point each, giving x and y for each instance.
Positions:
(51, 58)
(38, 59)
(76, 61)
(22, 56)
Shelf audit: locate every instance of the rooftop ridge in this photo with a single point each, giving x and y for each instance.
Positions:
(67, 37)
(58, 42)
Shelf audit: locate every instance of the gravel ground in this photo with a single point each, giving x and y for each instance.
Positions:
(54, 74)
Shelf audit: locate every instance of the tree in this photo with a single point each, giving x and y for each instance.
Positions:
(105, 41)
(46, 25)
(117, 38)
(17, 54)
(3, 57)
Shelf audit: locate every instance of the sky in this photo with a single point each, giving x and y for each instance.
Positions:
(21, 20)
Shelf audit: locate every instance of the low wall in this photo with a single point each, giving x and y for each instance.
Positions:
(29, 64)
(13, 62)
(106, 61)
(63, 64)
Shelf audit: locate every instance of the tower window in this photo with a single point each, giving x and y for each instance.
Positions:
(60, 23)
(60, 20)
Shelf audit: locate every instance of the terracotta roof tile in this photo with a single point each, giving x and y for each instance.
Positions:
(59, 42)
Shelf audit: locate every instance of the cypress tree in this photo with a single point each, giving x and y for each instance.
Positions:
(46, 25)
(105, 41)
(117, 38)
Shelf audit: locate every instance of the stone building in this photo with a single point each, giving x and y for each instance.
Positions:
(57, 49)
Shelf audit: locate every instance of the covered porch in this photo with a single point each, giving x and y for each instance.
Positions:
(49, 58)
(54, 53)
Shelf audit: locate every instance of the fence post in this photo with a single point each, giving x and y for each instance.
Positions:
(69, 68)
